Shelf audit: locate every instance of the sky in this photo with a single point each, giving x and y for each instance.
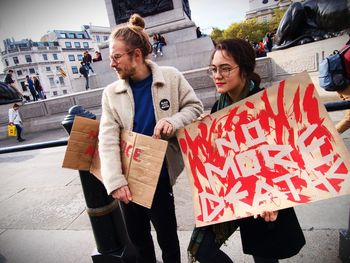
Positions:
(31, 19)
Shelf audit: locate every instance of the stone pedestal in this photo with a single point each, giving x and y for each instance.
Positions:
(183, 50)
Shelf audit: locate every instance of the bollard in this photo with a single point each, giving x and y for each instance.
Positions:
(107, 220)
(344, 244)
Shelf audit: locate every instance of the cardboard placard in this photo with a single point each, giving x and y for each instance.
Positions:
(141, 156)
(273, 150)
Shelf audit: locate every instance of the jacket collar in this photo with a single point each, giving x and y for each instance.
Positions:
(158, 78)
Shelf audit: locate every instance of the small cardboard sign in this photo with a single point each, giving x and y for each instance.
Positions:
(273, 150)
(142, 157)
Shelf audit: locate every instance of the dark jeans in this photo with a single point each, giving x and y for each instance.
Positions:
(162, 216)
(19, 131)
(86, 81)
(209, 251)
(35, 96)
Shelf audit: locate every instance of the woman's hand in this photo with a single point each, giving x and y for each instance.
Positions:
(122, 194)
(268, 216)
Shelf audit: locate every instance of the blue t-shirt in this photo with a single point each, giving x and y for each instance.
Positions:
(145, 120)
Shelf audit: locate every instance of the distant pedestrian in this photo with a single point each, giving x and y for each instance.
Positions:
(85, 72)
(15, 119)
(31, 88)
(9, 81)
(87, 59)
(269, 41)
(39, 89)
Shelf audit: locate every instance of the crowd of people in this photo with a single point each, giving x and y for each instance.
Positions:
(264, 45)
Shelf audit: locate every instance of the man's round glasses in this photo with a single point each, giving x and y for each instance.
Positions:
(223, 71)
(116, 57)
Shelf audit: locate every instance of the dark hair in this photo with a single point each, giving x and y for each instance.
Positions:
(15, 105)
(243, 54)
(134, 35)
(10, 71)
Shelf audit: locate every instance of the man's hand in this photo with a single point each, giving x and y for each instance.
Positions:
(122, 194)
(163, 128)
(268, 216)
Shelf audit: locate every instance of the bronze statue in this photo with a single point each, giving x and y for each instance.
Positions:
(312, 20)
(123, 9)
(8, 95)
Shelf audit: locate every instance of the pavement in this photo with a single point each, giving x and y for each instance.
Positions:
(43, 216)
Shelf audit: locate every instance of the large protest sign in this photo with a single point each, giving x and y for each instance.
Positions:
(142, 157)
(273, 150)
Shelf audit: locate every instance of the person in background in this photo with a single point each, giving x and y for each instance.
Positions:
(31, 87)
(344, 94)
(274, 234)
(15, 119)
(158, 43)
(85, 73)
(87, 59)
(9, 81)
(39, 89)
(154, 101)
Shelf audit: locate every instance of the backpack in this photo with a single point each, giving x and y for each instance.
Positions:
(332, 73)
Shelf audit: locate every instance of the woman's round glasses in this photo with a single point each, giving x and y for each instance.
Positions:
(224, 71)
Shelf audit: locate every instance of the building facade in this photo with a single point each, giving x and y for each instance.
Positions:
(43, 59)
(98, 34)
(263, 10)
(73, 45)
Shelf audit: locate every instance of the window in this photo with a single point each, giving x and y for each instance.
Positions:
(80, 35)
(77, 44)
(61, 79)
(65, 91)
(58, 67)
(71, 57)
(55, 57)
(63, 35)
(6, 62)
(75, 70)
(28, 58)
(52, 82)
(45, 56)
(48, 69)
(68, 44)
(54, 93)
(80, 57)
(31, 70)
(19, 72)
(105, 38)
(97, 38)
(23, 85)
(71, 35)
(85, 44)
(15, 60)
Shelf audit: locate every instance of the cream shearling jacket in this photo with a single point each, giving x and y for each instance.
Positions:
(181, 106)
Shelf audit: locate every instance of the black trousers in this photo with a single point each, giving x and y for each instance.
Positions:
(19, 131)
(210, 252)
(162, 216)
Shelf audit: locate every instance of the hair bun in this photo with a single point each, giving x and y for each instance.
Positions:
(137, 20)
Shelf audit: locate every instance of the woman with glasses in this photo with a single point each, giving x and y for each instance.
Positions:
(271, 235)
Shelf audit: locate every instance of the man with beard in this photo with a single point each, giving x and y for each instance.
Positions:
(154, 101)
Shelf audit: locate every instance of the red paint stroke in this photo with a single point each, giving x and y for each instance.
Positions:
(275, 123)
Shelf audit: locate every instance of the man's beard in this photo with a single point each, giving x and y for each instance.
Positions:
(127, 73)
